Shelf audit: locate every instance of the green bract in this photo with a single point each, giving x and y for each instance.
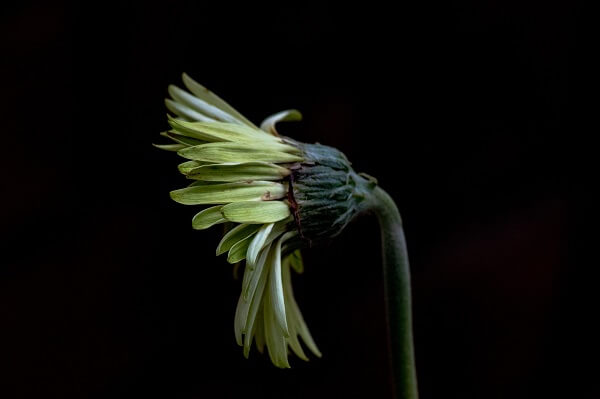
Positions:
(279, 194)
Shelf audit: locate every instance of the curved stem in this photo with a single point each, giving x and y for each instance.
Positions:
(396, 275)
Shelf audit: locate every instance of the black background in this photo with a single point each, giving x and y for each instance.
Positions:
(468, 113)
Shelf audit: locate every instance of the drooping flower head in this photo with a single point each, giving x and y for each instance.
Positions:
(279, 194)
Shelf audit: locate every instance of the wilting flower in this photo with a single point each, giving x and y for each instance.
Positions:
(280, 194)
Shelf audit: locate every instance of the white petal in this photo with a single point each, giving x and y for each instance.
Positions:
(200, 106)
(274, 336)
(268, 125)
(292, 340)
(249, 285)
(255, 304)
(202, 92)
(186, 112)
(257, 244)
(276, 285)
(295, 318)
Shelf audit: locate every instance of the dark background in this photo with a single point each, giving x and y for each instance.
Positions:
(468, 112)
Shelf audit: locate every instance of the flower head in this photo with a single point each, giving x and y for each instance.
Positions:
(280, 194)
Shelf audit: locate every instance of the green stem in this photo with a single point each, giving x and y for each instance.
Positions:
(396, 275)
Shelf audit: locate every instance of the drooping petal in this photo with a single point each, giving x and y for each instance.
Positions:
(235, 235)
(257, 244)
(268, 125)
(256, 303)
(237, 326)
(207, 218)
(249, 287)
(256, 211)
(294, 343)
(276, 285)
(241, 313)
(234, 152)
(305, 333)
(259, 332)
(296, 261)
(229, 192)
(295, 316)
(238, 250)
(276, 342)
(279, 229)
(235, 272)
(242, 324)
(292, 340)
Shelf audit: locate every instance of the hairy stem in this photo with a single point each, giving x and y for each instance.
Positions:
(396, 276)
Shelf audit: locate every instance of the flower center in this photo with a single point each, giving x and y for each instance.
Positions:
(325, 193)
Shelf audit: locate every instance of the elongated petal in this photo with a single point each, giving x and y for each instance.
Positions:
(276, 285)
(186, 112)
(186, 166)
(235, 235)
(256, 211)
(251, 278)
(249, 286)
(295, 318)
(207, 218)
(235, 272)
(181, 139)
(278, 229)
(219, 131)
(237, 327)
(199, 183)
(256, 302)
(259, 332)
(230, 172)
(170, 147)
(292, 340)
(294, 343)
(257, 244)
(229, 192)
(238, 250)
(235, 152)
(296, 262)
(276, 342)
(268, 125)
(305, 333)
(203, 93)
(199, 105)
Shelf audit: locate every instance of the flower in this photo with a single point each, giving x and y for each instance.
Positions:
(281, 195)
